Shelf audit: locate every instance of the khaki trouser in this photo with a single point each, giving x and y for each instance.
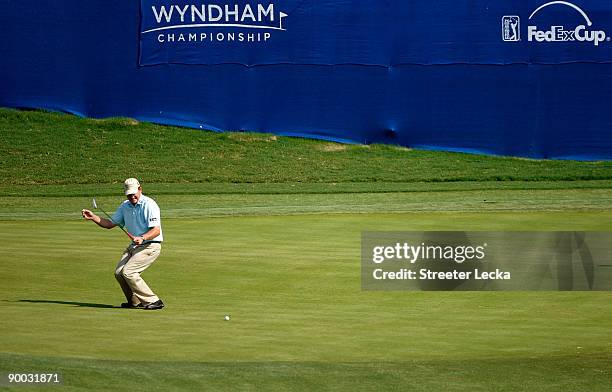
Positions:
(133, 262)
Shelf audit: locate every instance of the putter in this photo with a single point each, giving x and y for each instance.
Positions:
(95, 205)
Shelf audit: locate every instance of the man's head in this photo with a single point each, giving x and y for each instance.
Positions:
(132, 189)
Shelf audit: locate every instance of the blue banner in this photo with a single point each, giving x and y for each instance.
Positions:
(372, 32)
(524, 78)
(247, 33)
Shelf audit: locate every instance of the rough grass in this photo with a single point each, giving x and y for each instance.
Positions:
(50, 148)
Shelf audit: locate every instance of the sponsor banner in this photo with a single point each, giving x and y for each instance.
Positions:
(82, 57)
(559, 31)
(262, 32)
(443, 261)
(373, 32)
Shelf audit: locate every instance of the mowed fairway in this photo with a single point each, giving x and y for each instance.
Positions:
(288, 273)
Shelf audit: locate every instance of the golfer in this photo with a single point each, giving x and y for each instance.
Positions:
(140, 215)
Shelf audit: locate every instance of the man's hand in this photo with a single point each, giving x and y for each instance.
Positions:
(88, 214)
(138, 240)
(102, 222)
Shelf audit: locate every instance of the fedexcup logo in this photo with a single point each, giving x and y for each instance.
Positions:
(199, 22)
(584, 33)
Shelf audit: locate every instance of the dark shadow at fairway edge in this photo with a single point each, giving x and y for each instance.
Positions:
(83, 304)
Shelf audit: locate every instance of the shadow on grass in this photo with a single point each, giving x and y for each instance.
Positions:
(83, 304)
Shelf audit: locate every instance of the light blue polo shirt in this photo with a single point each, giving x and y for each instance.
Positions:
(139, 218)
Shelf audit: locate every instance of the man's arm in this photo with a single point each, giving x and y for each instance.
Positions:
(102, 222)
(149, 235)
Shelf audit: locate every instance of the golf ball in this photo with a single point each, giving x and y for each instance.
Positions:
(227, 317)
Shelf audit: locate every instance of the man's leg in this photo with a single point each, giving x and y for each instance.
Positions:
(127, 291)
(142, 257)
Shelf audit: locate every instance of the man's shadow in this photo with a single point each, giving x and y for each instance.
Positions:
(82, 304)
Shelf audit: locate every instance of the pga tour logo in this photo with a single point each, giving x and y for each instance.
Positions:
(581, 33)
(511, 28)
(199, 22)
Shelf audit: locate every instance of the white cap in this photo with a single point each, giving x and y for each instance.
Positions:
(130, 186)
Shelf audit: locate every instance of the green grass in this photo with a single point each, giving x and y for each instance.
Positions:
(50, 148)
(184, 205)
(299, 318)
(267, 229)
(486, 375)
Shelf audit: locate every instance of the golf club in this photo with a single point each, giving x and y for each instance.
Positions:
(95, 205)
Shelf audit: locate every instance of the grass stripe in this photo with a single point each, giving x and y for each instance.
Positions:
(577, 373)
